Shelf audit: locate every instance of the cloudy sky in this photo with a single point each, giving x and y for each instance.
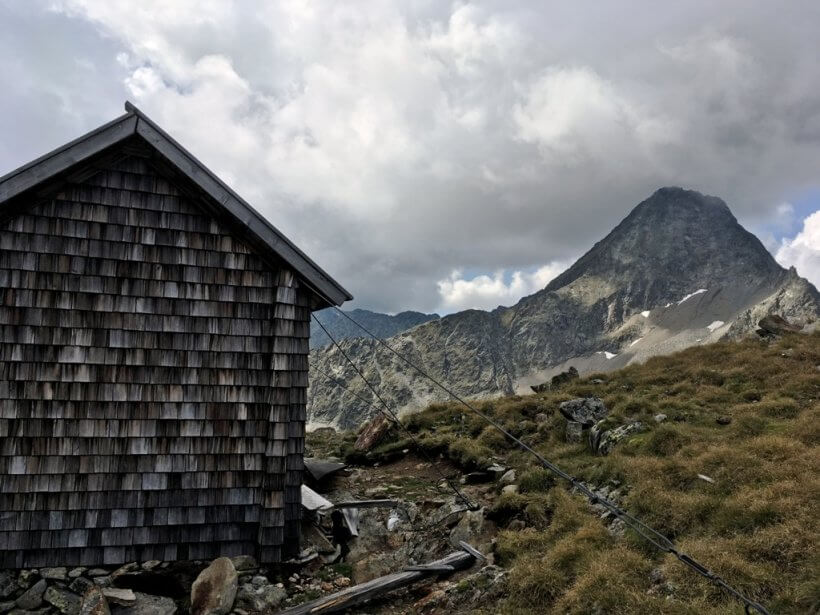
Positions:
(438, 155)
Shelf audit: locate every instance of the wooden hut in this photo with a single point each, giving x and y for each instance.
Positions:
(153, 359)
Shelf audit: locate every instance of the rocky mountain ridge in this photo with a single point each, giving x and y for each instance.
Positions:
(679, 270)
(382, 325)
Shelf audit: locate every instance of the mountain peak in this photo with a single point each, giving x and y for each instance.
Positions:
(675, 241)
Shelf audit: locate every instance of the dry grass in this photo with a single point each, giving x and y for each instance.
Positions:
(756, 525)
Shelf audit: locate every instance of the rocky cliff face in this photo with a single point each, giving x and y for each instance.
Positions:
(679, 270)
(382, 325)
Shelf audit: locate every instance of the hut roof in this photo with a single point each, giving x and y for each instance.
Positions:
(76, 160)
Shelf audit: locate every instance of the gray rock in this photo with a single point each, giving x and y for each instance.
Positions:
(150, 564)
(248, 599)
(273, 596)
(97, 572)
(147, 605)
(46, 610)
(8, 583)
(125, 569)
(660, 418)
(26, 578)
(469, 526)
(542, 417)
(33, 597)
(81, 585)
(54, 574)
(584, 410)
(508, 478)
(602, 442)
(6, 606)
(244, 562)
(94, 602)
(116, 595)
(76, 572)
(774, 324)
(574, 433)
(63, 600)
(214, 590)
(510, 489)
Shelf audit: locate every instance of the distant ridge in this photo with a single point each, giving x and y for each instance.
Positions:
(383, 325)
(678, 271)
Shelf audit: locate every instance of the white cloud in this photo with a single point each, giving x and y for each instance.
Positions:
(486, 292)
(803, 251)
(396, 142)
(574, 115)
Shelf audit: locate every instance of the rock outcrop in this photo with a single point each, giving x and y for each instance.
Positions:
(679, 270)
(381, 325)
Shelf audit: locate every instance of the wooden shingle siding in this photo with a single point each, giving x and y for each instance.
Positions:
(153, 374)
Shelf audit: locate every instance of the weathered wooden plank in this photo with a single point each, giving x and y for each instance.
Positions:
(359, 594)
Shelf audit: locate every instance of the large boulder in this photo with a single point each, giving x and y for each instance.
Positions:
(214, 590)
(584, 410)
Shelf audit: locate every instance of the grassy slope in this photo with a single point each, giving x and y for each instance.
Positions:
(756, 525)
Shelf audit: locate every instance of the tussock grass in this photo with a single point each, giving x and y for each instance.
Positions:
(756, 525)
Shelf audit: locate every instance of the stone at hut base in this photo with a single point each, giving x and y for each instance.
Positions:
(123, 597)
(148, 605)
(214, 590)
(81, 585)
(63, 600)
(33, 596)
(54, 574)
(244, 562)
(8, 583)
(94, 602)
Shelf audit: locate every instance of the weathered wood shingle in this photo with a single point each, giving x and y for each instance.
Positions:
(153, 374)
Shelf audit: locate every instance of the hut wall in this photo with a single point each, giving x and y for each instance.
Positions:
(153, 375)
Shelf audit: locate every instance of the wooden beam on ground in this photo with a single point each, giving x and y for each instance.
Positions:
(367, 504)
(353, 596)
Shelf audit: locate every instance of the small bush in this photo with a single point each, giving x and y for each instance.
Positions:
(536, 481)
(709, 376)
(779, 408)
(666, 440)
(750, 425)
(469, 454)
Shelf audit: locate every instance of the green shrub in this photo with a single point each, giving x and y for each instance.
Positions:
(666, 440)
(536, 481)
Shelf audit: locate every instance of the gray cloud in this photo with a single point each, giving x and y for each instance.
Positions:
(400, 142)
